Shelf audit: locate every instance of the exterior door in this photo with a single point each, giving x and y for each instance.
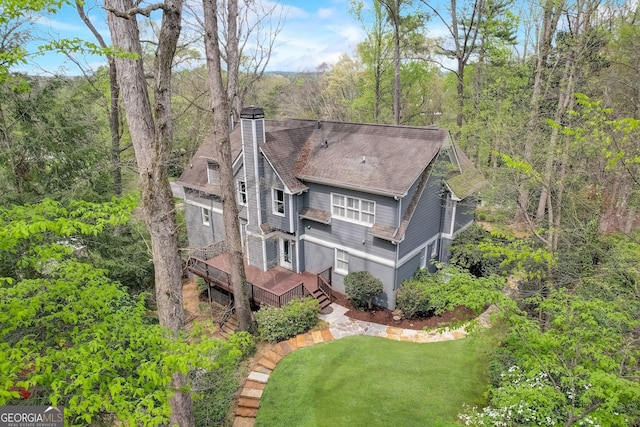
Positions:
(286, 252)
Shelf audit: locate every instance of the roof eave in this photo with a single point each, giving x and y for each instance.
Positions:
(331, 183)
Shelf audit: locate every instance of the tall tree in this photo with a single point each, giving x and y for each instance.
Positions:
(405, 18)
(463, 25)
(113, 106)
(151, 134)
(49, 144)
(374, 51)
(552, 11)
(222, 96)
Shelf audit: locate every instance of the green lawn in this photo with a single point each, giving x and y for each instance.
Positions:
(369, 381)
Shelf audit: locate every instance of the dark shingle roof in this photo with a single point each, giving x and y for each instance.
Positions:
(372, 158)
(380, 159)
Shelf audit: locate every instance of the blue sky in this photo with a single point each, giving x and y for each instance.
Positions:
(314, 32)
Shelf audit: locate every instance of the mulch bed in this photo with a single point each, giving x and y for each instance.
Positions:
(384, 316)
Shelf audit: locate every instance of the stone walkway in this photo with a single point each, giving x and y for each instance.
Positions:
(340, 326)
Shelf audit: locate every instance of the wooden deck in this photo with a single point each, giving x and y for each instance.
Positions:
(276, 286)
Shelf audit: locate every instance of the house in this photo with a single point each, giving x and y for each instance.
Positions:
(320, 199)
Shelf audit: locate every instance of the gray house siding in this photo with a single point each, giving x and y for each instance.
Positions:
(254, 250)
(347, 233)
(270, 181)
(271, 253)
(252, 162)
(323, 256)
(465, 213)
(408, 269)
(426, 221)
(200, 236)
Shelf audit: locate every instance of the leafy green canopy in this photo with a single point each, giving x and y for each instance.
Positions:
(579, 367)
(570, 356)
(71, 336)
(52, 145)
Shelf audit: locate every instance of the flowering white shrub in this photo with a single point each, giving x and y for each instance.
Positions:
(523, 400)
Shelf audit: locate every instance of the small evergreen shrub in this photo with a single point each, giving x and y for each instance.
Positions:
(293, 318)
(202, 285)
(361, 287)
(413, 299)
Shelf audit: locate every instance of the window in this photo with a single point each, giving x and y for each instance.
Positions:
(342, 261)
(434, 249)
(278, 201)
(213, 173)
(353, 209)
(242, 193)
(206, 217)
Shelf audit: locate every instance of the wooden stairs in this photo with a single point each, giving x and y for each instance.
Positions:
(227, 327)
(323, 299)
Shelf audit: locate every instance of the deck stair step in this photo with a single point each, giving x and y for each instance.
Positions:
(228, 327)
(323, 300)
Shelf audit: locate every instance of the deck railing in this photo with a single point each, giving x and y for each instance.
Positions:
(259, 295)
(324, 282)
(209, 272)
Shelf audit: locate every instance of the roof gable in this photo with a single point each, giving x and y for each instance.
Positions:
(371, 158)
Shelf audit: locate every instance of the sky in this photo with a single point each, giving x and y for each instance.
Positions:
(314, 32)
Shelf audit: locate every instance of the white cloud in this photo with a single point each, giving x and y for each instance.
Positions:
(57, 25)
(325, 13)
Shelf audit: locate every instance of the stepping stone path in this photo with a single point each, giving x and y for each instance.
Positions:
(249, 400)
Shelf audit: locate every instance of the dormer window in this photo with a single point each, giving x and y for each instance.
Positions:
(213, 173)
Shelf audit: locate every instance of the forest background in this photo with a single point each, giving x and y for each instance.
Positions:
(545, 103)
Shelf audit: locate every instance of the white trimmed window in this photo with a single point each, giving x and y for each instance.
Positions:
(353, 209)
(206, 217)
(278, 201)
(342, 262)
(242, 192)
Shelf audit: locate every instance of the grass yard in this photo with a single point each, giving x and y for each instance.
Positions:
(370, 381)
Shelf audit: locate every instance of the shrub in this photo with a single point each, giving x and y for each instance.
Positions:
(466, 252)
(214, 389)
(293, 318)
(361, 287)
(202, 285)
(413, 299)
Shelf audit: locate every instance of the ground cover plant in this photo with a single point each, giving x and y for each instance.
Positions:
(371, 381)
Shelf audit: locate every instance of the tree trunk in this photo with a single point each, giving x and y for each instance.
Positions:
(221, 131)
(151, 137)
(549, 24)
(114, 128)
(113, 110)
(565, 100)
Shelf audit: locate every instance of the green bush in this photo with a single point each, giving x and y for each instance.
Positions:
(293, 318)
(413, 299)
(361, 287)
(466, 252)
(202, 285)
(214, 389)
